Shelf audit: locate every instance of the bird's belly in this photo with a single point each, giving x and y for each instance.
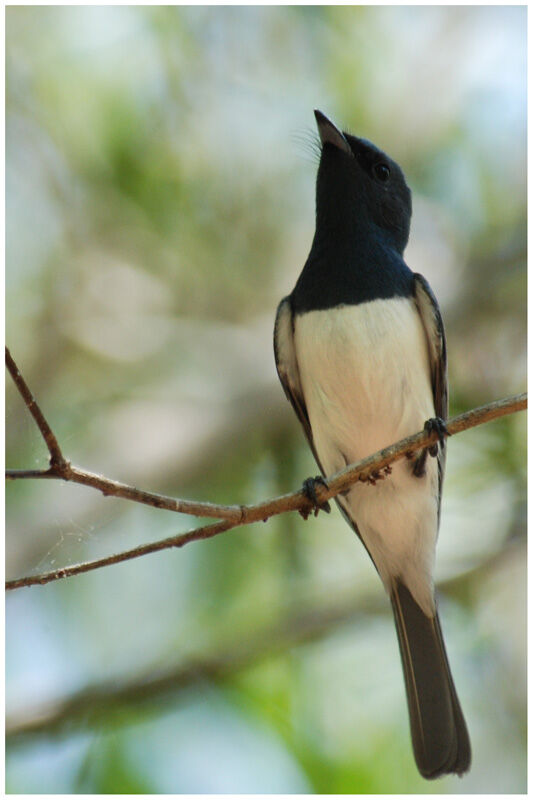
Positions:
(365, 376)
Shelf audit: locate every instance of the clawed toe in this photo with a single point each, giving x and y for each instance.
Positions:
(438, 426)
(309, 489)
(419, 467)
(432, 425)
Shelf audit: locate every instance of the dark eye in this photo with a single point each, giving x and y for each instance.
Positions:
(381, 172)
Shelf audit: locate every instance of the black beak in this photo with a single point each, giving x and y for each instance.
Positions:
(328, 132)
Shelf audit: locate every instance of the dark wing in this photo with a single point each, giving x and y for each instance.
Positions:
(429, 311)
(287, 367)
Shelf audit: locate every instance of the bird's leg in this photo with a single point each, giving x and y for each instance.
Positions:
(437, 425)
(309, 489)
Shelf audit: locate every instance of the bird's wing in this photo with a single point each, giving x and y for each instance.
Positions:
(287, 367)
(430, 315)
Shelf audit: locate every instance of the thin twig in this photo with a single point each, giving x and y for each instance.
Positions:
(16, 474)
(111, 488)
(179, 540)
(56, 456)
(366, 470)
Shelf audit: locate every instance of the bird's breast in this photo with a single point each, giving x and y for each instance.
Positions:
(365, 375)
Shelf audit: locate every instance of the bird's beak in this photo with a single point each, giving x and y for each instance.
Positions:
(328, 132)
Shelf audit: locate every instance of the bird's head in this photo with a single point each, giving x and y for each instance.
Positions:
(361, 186)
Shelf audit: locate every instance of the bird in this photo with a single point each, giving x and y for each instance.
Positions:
(360, 351)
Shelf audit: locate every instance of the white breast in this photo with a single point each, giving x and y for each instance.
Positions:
(365, 376)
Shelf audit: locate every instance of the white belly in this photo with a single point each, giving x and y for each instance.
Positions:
(365, 376)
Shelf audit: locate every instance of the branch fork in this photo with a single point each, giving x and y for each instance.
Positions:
(369, 470)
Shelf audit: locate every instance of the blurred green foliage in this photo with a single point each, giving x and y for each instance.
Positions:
(159, 202)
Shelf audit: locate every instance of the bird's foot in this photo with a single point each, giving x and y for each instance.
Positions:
(433, 425)
(309, 489)
(438, 426)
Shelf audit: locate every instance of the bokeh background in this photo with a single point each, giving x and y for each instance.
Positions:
(160, 201)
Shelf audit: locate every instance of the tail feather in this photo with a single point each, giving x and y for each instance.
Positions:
(438, 730)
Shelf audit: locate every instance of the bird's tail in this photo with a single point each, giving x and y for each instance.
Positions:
(438, 729)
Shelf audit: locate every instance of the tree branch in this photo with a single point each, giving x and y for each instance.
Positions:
(369, 470)
(111, 488)
(179, 540)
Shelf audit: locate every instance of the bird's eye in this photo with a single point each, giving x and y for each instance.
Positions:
(381, 172)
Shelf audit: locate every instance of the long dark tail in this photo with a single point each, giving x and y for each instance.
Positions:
(438, 729)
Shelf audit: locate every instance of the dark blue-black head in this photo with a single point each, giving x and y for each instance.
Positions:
(361, 191)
